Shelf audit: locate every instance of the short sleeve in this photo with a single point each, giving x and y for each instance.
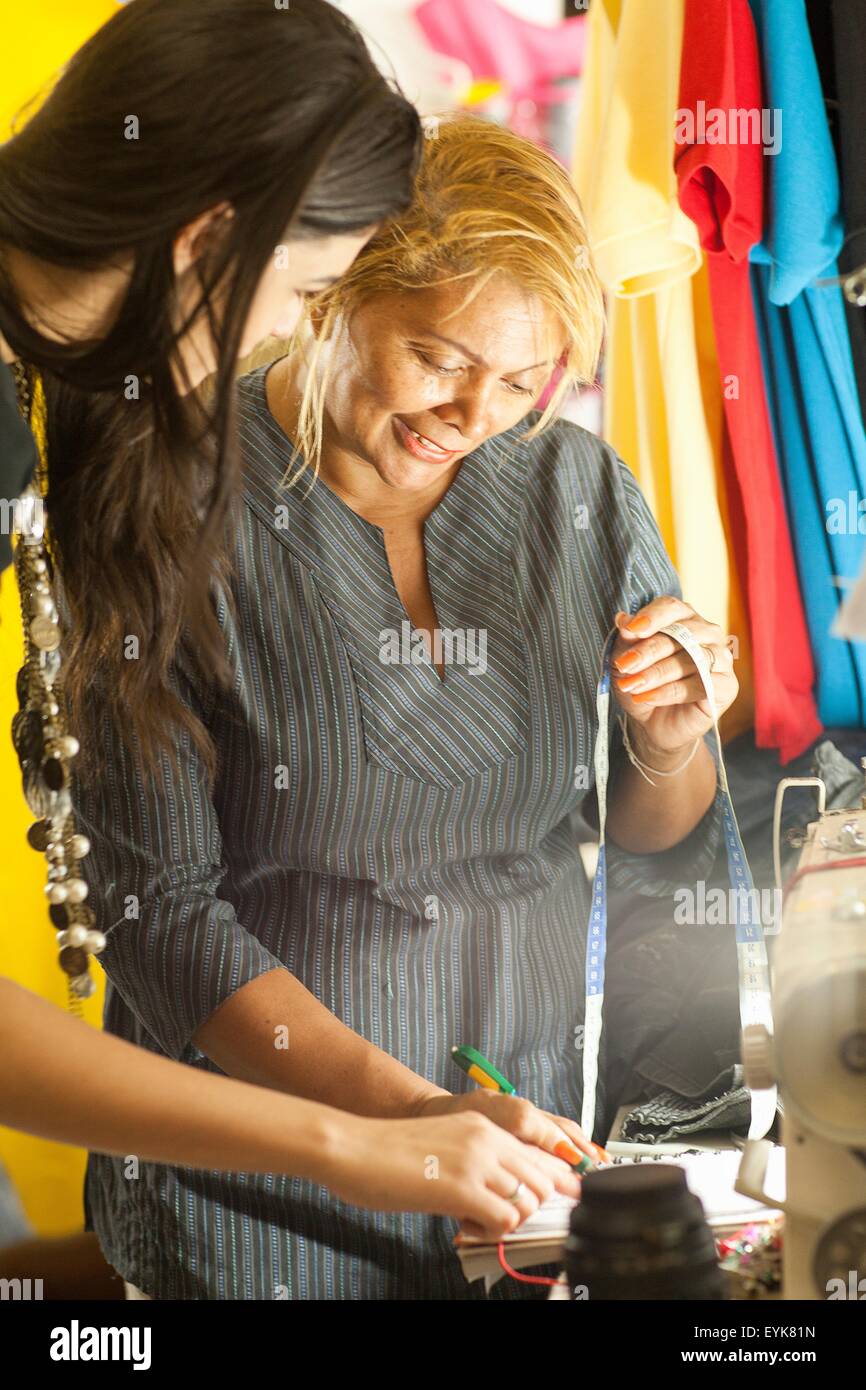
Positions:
(721, 181)
(804, 229)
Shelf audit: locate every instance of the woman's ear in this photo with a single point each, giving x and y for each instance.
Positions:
(191, 240)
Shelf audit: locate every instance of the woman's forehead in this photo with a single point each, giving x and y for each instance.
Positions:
(489, 321)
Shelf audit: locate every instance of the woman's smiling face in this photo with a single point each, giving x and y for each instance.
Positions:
(416, 363)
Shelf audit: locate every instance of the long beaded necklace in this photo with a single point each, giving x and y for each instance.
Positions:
(39, 732)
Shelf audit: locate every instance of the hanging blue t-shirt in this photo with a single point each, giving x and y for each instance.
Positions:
(811, 387)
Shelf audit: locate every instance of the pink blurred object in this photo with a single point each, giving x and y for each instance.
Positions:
(528, 58)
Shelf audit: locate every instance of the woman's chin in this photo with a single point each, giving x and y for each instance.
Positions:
(408, 475)
(399, 468)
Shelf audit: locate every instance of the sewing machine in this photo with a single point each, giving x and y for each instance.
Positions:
(817, 1057)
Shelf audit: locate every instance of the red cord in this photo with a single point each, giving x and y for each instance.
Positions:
(515, 1274)
(856, 862)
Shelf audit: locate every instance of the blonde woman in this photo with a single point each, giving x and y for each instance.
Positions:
(156, 257)
(387, 864)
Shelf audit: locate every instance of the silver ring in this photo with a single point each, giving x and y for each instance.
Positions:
(517, 1193)
(711, 654)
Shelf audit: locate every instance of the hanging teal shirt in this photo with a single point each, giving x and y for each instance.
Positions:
(811, 386)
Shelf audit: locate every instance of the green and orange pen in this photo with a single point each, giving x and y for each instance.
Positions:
(485, 1074)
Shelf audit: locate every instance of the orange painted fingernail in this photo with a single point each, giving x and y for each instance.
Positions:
(567, 1152)
(627, 661)
(640, 626)
(645, 695)
(602, 1153)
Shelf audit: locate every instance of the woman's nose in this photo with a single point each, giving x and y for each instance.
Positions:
(289, 319)
(469, 411)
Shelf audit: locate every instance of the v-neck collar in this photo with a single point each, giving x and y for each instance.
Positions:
(311, 511)
(469, 538)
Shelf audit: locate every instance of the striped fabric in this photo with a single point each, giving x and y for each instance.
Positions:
(405, 846)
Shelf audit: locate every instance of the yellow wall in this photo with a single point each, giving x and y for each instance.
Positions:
(38, 37)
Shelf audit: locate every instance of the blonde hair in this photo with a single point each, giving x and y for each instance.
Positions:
(486, 201)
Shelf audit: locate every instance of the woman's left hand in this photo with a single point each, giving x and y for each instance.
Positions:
(655, 680)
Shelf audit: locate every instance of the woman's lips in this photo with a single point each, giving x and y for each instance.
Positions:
(422, 448)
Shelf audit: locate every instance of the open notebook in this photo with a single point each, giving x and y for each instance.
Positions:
(710, 1173)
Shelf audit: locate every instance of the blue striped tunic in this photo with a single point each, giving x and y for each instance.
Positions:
(406, 846)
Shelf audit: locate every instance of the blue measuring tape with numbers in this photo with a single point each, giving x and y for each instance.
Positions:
(752, 964)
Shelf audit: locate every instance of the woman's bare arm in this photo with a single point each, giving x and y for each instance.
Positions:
(63, 1080)
(324, 1060)
(645, 819)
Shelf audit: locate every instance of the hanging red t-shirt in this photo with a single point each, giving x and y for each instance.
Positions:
(720, 171)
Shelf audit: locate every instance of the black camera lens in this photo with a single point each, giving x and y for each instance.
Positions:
(639, 1233)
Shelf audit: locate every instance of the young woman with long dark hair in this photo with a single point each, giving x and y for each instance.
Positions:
(195, 172)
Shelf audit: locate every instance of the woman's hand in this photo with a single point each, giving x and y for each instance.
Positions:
(656, 682)
(552, 1133)
(460, 1165)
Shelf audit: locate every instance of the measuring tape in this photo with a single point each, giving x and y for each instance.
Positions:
(752, 966)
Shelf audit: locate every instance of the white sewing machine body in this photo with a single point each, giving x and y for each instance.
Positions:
(817, 1057)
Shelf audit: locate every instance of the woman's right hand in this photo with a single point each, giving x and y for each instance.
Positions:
(452, 1165)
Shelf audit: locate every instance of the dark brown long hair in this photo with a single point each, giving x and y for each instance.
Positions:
(279, 112)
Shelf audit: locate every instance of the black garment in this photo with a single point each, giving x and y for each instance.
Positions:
(838, 32)
(17, 458)
(671, 1008)
(672, 1015)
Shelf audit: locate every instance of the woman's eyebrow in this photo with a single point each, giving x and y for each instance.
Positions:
(479, 361)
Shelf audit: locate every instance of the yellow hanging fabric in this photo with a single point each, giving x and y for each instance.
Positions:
(662, 403)
(39, 38)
